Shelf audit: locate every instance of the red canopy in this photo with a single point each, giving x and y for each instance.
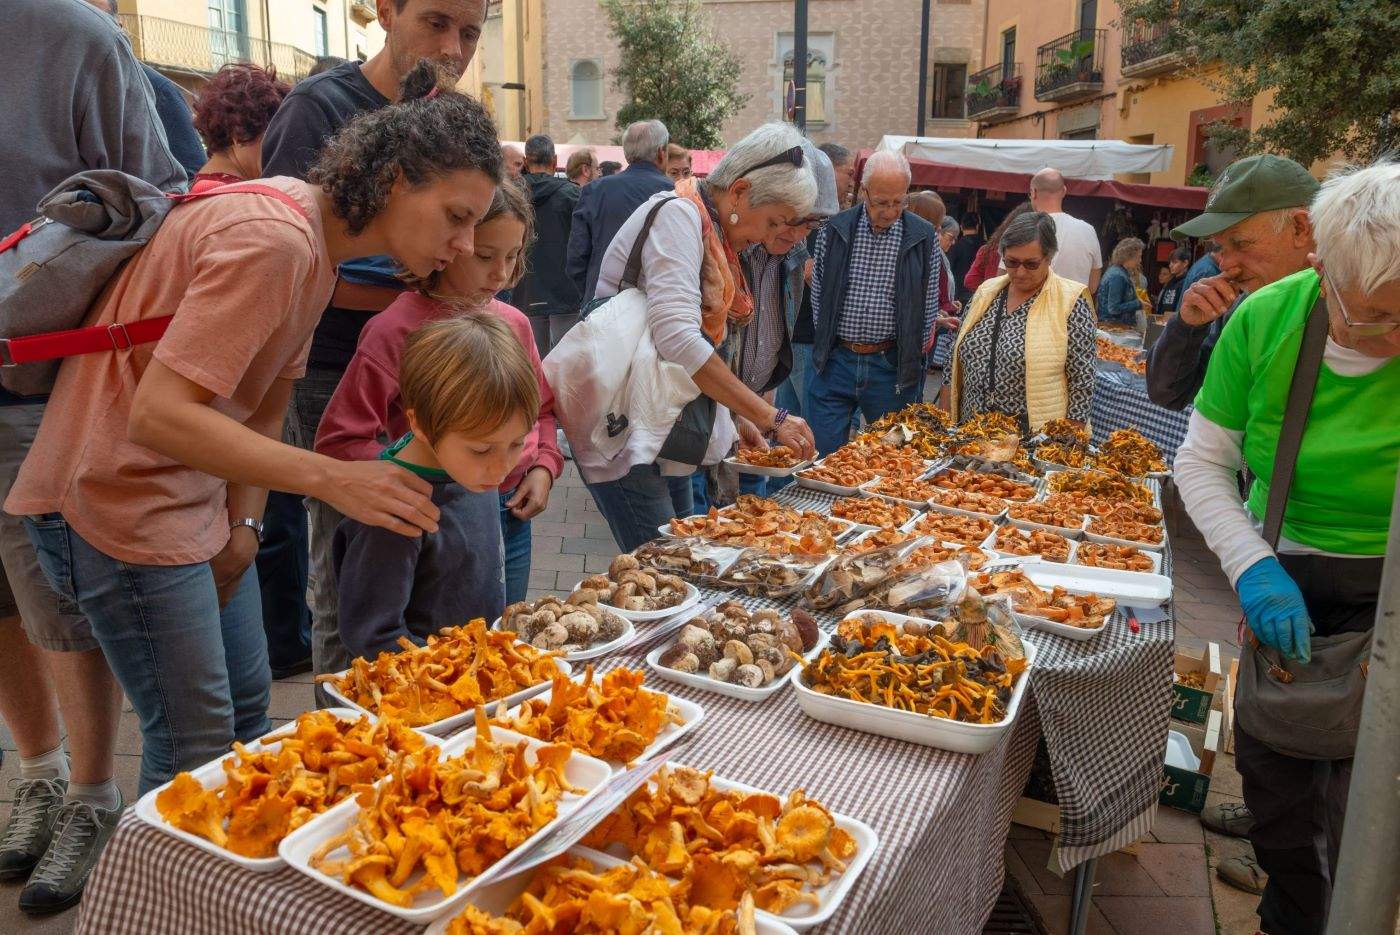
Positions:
(943, 175)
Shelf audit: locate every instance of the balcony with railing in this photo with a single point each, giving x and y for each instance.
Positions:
(1070, 67)
(994, 93)
(363, 11)
(199, 50)
(1149, 49)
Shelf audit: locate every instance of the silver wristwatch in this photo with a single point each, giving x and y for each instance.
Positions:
(251, 523)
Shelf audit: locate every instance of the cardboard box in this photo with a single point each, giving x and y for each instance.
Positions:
(1186, 789)
(1034, 813)
(1193, 704)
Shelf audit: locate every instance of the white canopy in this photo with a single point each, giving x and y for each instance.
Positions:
(1078, 159)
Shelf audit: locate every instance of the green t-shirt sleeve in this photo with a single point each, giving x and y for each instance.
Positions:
(1224, 396)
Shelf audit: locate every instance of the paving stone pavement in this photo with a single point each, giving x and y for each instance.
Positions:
(1164, 883)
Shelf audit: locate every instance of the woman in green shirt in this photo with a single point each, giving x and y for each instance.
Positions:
(1324, 576)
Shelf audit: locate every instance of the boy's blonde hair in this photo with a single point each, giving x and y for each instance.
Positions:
(467, 374)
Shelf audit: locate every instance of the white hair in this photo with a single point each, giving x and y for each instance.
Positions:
(643, 139)
(885, 161)
(1356, 222)
(783, 184)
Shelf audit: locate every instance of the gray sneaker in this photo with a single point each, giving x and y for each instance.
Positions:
(1243, 873)
(27, 833)
(79, 832)
(1231, 818)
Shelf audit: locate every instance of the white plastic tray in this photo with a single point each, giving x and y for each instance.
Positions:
(497, 897)
(629, 633)
(935, 506)
(211, 776)
(824, 487)
(1133, 588)
(1154, 555)
(691, 714)
(981, 544)
(989, 545)
(922, 729)
(296, 849)
(703, 681)
(744, 467)
(1069, 532)
(692, 594)
(448, 725)
(868, 489)
(1156, 489)
(1111, 540)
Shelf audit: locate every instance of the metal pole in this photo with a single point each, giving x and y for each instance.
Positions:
(1081, 901)
(799, 65)
(1366, 896)
(923, 65)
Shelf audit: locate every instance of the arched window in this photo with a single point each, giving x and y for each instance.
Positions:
(586, 90)
(816, 84)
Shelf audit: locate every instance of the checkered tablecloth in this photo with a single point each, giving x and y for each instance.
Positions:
(1121, 402)
(941, 817)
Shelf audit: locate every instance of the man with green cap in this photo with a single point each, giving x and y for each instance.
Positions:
(1258, 213)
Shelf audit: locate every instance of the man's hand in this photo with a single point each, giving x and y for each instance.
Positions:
(532, 496)
(1209, 298)
(797, 436)
(749, 435)
(950, 322)
(380, 494)
(233, 560)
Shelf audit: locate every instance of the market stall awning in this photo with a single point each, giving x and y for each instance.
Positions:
(1080, 159)
(702, 161)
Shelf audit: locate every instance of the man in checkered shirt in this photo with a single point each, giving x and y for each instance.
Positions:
(875, 289)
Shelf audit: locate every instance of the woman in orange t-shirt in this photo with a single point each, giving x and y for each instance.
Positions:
(144, 489)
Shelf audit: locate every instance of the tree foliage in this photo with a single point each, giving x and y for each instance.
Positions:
(1333, 66)
(672, 68)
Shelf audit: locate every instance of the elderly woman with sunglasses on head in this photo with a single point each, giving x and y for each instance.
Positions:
(1323, 576)
(1026, 347)
(696, 296)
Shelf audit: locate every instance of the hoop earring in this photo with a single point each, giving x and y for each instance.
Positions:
(733, 218)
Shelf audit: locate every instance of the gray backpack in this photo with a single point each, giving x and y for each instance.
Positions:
(56, 266)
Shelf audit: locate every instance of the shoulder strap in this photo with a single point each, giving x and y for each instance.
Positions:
(244, 187)
(633, 270)
(1295, 418)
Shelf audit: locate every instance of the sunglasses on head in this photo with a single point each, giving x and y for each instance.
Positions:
(1029, 266)
(814, 222)
(791, 157)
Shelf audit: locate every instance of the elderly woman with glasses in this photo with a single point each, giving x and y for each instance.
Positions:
(697, 295)
(1322, 578)
(1026, 347)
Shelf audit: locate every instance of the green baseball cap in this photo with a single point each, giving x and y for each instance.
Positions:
(1248, 186)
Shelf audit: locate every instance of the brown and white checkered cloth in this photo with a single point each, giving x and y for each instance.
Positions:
(942, 817)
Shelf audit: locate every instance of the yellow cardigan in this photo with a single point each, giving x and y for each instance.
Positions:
(1047, 346)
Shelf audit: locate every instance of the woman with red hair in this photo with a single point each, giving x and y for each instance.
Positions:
(231, 114)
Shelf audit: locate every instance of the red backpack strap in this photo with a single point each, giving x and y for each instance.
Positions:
(17, 236)
(234, 188)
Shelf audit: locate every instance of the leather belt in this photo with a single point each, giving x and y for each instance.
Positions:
(879, 348)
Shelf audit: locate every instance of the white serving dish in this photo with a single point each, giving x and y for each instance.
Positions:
(691, 713)
(869, 533)
(980, 544)
(1132, 588)
(497, 897)
(745, 468)
(703, 681)
(922, 729)
(1069, 532)
(989, 545)
(629, 633)
(1154, 555)
(869, 491)
(1112, 540)
(935, 506)
(211, 776)
(1155, 488)
(448, 725)
(692, 595)
(296, 849)
(824, 487)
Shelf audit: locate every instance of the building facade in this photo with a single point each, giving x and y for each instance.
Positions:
(188, 40)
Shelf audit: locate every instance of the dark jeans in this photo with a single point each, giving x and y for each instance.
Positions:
(851, 381)
(1298, 805)
(515, 535)
(282, 566)
(637, 503)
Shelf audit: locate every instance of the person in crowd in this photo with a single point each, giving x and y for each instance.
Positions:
(514, 160)
(876, 280)
(1080, 259)
(1324, 576)
(547, 294)
(602, 208)
(1257, 213)
(1175, 276)
(929, 206)
(1026, 347)
(470, 395)
(695, 294)
(367, 406)
(93, 111)
(964, 251)
(232, 113)
(445, 32)
(988, 260)
(143, 491)
(948, 233)
(677, 162)
(608, 167)
(843, 162)
(1117, 299)
(582, 167)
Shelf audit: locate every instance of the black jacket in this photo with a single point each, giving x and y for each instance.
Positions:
(547, 289)
(603, 207)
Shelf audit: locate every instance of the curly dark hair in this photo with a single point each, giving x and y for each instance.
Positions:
(237, 104)
(423, 136)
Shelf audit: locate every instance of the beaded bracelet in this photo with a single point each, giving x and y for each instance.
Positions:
(778, 418)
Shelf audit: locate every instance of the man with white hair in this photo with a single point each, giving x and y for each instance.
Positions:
(875, 291)
(1080, 258)
(514, 160)
(606, 204)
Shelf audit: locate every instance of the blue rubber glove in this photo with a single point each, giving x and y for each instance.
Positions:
(1273, 607)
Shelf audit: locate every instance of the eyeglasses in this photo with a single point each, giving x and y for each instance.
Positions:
(1029, 266)
(791, 157)
(1361, 329)
(812, 223)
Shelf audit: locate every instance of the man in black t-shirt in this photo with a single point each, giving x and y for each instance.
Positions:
(963, 252)
(447, 32)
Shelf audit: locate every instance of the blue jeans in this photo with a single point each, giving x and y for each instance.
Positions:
(639, 501)
(792, 390)
(196, 674)
(515, 534)
(699, 493)
(852, 380)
